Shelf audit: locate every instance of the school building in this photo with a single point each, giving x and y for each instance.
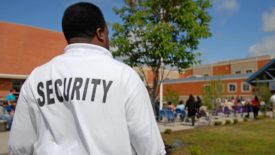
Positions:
(232, 75)
(22, 48)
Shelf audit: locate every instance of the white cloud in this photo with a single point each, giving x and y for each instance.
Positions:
(269, 21)
(228, 7)
(266, 47)
(225, 9)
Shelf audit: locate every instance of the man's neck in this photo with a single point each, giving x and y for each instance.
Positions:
(79, 40)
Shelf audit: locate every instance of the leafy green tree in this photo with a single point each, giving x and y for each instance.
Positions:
(212, 93)
(172, 96)
(211, 96)
(156, 30)
(263, 92)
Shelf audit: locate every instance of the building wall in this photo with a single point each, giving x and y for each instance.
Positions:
(204, 70)
(196, 88)
(228, 67)
(187, 73)
(5, 86)
(185, 89)
(22, 48)
(222, 69)
(261, 63)
(168, 74)
(243, 67)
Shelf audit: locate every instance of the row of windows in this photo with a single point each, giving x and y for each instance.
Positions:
(247, 71)
(232, 87)
(236, 72)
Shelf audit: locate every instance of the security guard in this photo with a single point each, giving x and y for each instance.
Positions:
(84, 102)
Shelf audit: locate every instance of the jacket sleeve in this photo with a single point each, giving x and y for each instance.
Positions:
(143, 130)
(22, 135)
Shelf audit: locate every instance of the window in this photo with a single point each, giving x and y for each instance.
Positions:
(17, 84)
(232, 87)
(237, 72)
(245, 87)
(249, 71)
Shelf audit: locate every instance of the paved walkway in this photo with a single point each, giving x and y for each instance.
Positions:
(4, 136)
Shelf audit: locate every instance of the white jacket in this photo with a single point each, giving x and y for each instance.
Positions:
(84, 102)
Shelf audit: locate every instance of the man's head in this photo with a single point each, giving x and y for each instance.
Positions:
(12, 91)
(84, 23)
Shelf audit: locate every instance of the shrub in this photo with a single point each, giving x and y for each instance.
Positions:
(227, 122)
(261, 117)
(195, 150)
(167, 131)
(235, 121)
(217, 123)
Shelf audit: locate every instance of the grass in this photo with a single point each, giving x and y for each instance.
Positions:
(246, 138)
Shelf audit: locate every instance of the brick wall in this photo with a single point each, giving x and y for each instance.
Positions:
(22, 48)
(195, 88)
(221, 69)
(5, 86)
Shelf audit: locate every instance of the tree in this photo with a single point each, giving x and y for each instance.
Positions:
(212, 93)
(263, 92)
(172, 96)
(156, 30)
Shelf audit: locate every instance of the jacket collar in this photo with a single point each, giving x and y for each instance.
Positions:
(90, 48)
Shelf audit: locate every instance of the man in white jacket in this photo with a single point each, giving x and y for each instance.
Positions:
(84, 102)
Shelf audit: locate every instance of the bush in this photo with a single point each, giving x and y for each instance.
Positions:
(217, 123)
(245, 119)
(261, 117)
(235, 121)
(227, 122)
(167, 131)
(195, 150)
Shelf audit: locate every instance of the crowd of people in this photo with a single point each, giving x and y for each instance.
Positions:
(240, 105)
(229, 105)
(191, 107)
(7, 108)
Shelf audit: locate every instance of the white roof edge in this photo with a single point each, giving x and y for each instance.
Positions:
(233, 61)
(244, 60)
(13, 76)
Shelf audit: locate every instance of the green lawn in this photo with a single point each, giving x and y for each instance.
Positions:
(245, 138)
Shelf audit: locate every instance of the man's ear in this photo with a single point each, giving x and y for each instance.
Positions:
(100, 34)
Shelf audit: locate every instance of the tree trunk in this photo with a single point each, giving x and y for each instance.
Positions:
(153, 90)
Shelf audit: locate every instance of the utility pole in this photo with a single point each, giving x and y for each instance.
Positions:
(161, 85)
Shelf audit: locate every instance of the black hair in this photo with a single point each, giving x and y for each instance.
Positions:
(82, 20)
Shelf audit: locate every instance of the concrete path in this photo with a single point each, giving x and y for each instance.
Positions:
(4, 136)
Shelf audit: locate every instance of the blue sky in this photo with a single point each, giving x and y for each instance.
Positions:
(240, 28)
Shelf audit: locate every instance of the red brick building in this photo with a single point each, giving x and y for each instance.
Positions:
(22, 48)
(231, 74)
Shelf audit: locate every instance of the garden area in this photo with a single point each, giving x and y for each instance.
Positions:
(255, 137)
